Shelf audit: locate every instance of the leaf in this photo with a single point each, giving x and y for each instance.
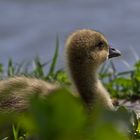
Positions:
(108, 132)
(60, 116)
(135, 120)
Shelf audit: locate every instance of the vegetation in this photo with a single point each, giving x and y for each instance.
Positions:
(63, 117)
(122, 84)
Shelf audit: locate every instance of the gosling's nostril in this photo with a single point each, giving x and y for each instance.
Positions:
(114, 52)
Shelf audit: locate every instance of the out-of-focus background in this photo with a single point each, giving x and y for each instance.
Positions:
(29, 27)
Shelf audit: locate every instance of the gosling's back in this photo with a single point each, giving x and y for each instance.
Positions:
(14, 92)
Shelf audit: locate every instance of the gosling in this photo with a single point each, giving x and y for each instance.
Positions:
(85, 51)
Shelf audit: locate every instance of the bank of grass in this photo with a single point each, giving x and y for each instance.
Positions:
(62, 116)
(122, 85)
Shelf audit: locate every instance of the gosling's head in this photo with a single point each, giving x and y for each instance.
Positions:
(89, 46)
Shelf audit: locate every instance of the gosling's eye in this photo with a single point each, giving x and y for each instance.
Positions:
(100, 44)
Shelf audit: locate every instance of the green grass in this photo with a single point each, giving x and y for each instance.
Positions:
(62, 116)
(122, 84)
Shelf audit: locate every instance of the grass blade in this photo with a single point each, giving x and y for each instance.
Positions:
(10, 68)
(15, 133)
(55, 57)
(38, 68)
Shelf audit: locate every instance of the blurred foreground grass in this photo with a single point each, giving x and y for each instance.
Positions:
(62, 116)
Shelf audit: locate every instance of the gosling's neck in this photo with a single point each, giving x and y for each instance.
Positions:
(89, 87)
(85, 79)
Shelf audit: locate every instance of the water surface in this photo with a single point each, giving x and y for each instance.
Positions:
(29, 28)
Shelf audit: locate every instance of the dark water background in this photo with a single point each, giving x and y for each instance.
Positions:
(29, 27)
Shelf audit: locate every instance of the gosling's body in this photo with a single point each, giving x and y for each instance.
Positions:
(85, 51)
(14, 92)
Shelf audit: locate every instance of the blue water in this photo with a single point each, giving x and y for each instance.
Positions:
(29, 27)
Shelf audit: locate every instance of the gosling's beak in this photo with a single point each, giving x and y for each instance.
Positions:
(114, 52)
